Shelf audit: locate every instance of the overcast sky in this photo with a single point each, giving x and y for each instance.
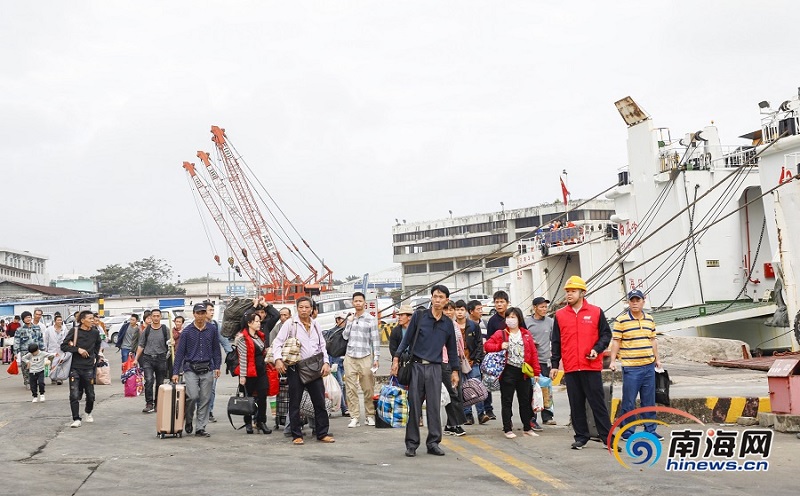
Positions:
(352, 113)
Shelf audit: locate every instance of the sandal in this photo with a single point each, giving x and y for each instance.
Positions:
(298, 441)
(327, 439)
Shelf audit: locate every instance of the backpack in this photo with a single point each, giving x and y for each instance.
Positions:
(232, 317)
(232, 362)
(164, 331)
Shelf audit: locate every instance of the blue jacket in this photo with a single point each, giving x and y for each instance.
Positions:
(121, 334)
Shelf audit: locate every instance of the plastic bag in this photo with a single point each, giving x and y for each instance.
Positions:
(13, 369)
(537, 402)
(392, 405)
(102, 375)
(332, 391)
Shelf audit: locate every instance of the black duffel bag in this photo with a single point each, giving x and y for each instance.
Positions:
(335, 343)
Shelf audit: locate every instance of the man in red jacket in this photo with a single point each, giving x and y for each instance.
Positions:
(580, 335)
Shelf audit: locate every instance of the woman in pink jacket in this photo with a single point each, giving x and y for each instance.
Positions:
(520, 349)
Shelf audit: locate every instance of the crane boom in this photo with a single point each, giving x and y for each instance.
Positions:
(245, 228)
(216, 214)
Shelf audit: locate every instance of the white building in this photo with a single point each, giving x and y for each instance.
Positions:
(432, 250)
(23, 266)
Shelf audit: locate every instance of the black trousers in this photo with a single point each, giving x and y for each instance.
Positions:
(546, 414)
(514, 381)
(257, 386)
(36, 380)
(586, 386)
(155, 371)
(316, 389)
(454, 409)
(80, 381)
(426, 382)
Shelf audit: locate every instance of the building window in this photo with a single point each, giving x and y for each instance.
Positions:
(441, 266)
(415, 268)
(527, 222)
(500, 262)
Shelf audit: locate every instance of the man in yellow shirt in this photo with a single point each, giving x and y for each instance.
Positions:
(634, 341)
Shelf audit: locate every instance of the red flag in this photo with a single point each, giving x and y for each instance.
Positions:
(564, 191)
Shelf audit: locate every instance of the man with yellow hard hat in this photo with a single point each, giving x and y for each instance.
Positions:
(580, 335)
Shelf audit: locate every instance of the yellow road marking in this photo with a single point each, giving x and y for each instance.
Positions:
(711, 402)
(529, 469)
(735, 410)
(764, 405)
(493, 469)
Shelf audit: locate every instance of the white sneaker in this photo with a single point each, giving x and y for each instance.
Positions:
(76, 423)
(89, 418)
(353, 423)
(371, 421)
(41, 398)
(35, 399)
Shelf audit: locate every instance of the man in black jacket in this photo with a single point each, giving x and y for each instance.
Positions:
(84, 362)
(399, 330)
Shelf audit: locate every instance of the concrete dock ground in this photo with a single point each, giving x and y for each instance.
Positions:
(120, 454)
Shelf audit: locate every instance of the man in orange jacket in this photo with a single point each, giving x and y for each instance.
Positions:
(580, 335)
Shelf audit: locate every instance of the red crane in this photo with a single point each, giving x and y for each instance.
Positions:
(251, 239)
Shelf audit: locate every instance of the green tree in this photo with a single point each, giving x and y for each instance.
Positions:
(201, 279)
(146, 277)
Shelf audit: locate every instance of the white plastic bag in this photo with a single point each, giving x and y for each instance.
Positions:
(332, 391)
(538, 400)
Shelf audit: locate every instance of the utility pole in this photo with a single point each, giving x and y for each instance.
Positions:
(208, 284)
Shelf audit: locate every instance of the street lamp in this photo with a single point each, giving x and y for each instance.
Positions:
(502, 207)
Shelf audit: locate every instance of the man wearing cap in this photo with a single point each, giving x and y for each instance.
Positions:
(580, 335)
(541, 328)
(198, 358)
(399, 330)
(634, 341)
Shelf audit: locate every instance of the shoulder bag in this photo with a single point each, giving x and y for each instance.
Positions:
(404, 368)
(290, 353)
(59, 369)
(310, 369)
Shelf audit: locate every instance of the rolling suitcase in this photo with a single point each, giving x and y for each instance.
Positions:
(170, 410)
(282, 403)
(7, 355)
(608, 391)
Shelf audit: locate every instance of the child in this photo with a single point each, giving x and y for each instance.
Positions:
(35, 361)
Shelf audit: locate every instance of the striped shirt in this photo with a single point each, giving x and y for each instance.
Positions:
(635, 335)
(362, 337)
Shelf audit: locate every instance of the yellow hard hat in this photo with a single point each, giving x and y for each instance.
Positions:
(575, 282)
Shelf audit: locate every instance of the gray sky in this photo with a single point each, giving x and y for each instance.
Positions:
(353, 113)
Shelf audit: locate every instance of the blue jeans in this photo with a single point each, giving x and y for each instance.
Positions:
(638, 381)
(339, 378)
(124, 352)
(475, 373)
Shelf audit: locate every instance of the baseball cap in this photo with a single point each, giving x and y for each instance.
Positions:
(341, 315)
(539, 300)
(636, 293)
(200, 307)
